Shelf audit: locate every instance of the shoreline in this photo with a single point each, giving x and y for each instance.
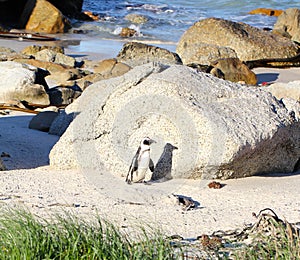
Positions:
(92, 48)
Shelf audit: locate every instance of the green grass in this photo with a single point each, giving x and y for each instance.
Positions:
(24, 236)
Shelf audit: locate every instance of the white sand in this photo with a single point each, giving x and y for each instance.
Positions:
(31, 182)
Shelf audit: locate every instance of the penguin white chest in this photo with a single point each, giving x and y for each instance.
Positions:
(144, 160)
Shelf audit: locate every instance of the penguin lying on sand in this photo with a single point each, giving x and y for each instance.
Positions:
(140, 163)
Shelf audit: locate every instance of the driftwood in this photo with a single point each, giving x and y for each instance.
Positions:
(26, 110)
(275, 63)
(26, 36)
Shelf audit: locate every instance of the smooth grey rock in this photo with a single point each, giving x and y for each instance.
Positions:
(18, 82)
(222, 129)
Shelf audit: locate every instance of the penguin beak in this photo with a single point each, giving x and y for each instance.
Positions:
(175, 147)
(151, 141)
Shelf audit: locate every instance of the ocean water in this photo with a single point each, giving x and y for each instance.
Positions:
(167, 20)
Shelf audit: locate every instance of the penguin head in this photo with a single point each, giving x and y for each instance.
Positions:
(146, 141)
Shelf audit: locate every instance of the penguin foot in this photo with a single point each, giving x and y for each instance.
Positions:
(147, 183)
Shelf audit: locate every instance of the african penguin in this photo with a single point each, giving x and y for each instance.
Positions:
(138, 170)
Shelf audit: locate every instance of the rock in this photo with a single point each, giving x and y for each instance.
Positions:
(104, 69)
(18, 82)
(15, 13)
(65, 78)
(2, 166)
(285, 90)
(234, 70)
(3, 28)
(288, 23)
(49, 66)
(293, 106)
(111, 68)
(249, 43)
(70, 8)
(46, 18)
(61, 95)
(135, 53)
(6, 50)
(91, 16)
(46, 55)
(127, 32)
(65, 60)
(266, 11)
(7, 53)
(204, 54)
(136, 18)
(10, 12)
(222, 129)
(86, 81)
(42, 121)
(32, 50)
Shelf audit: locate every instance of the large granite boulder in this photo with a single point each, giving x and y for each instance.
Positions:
(288, 24)
(136, 53)
(18, 81)
(45, 18)
(221, 129)
(248, 42)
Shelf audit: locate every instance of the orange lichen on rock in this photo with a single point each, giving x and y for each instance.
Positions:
(91, 15)
(266, 11)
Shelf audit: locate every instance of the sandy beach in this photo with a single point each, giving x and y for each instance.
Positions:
(31, 182)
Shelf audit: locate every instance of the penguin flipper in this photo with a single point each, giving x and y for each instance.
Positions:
(133, 167)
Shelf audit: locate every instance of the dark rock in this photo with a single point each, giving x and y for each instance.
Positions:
(11, 11)
(70, 8)
(63, 95)
(42, 121)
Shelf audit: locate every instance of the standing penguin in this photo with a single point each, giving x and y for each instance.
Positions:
(140, 163)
